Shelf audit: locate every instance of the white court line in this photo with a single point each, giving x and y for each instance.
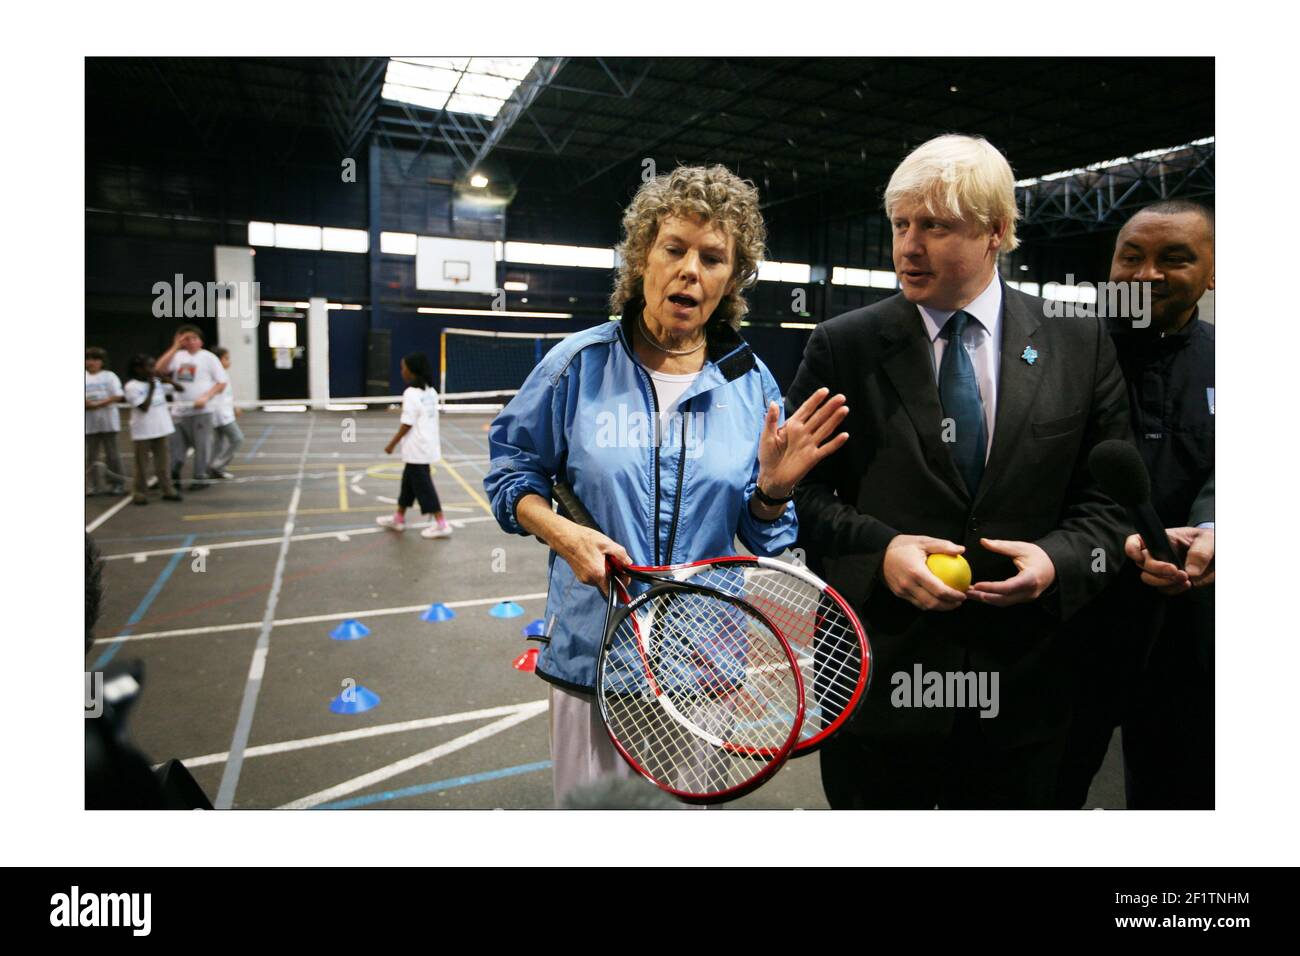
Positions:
(107, 514)
(253, 685)
(380, 730)
(525, 712)
(366, 456)
(459, 455)
(314, 619)
(140, 556)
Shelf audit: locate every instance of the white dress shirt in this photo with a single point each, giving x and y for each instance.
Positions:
(982, 340)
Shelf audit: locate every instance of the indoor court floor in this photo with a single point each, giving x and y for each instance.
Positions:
(229, 599)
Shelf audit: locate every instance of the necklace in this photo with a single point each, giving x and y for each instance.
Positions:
(645, 334)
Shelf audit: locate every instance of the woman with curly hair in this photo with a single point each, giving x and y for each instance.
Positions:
(665, 424)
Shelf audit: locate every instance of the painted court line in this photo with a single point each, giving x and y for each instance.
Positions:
(252, 452)
(458, 455)
(253, 686)
(525, 712)
(350, 530)
(269, 513)
(316, 618)
(107, 514)
(477, 496)
(436, 787)
(343, 736)
(143, 607)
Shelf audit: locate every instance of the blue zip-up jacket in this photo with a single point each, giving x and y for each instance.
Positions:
(587, 412)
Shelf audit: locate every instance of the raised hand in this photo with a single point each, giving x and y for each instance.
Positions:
(788, 452)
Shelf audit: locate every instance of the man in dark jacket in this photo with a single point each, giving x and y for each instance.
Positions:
(971, 417)
(1150, 641)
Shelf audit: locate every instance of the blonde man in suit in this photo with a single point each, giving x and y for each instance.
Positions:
(972, 415)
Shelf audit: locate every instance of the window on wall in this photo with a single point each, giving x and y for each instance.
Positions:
(784, 272)
(344, 240)
(261, 234)
(285, 235)
(864, 278)
(282, 335)
(297, 237)
(587, 257)
(397, 243)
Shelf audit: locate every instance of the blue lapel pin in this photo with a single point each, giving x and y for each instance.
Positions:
(1030, 354)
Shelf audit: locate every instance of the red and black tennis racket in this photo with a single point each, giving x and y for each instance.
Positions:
(699, 691)
(826, 636)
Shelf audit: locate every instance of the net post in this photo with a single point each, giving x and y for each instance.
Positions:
(442, 363)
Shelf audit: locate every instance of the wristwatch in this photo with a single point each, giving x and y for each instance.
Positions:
(769, 501)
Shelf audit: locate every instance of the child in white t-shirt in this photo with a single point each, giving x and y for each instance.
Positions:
(151, 429)
(418, 436)
(226, 436)
(198, 377)
(103, 392)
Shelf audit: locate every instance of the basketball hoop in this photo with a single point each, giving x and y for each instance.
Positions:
(455, 271)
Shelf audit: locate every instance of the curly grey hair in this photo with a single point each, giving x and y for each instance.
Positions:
(712, 193)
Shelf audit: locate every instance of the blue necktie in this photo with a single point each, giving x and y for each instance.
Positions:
(959, 393)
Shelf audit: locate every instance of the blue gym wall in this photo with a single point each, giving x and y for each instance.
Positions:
(156, 206)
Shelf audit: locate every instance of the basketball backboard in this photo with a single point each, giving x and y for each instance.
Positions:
(455, 265)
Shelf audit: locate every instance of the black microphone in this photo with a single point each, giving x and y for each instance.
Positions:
(1118, 468)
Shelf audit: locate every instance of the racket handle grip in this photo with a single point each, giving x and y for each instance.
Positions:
(571, 506)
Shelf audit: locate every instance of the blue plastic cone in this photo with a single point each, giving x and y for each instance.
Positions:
(506, 609)
(350, 630)
(359, 701)
(438, 612)
(535, 629)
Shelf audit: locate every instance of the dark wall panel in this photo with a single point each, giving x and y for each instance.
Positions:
(348, 352)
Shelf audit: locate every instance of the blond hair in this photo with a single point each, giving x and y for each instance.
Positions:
(712, 193)
(962, 176)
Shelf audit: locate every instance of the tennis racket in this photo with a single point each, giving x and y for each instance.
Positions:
(828, 640)
(699, 691)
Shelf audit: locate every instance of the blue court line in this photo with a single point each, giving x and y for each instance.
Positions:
(253, 451)
(143, 608)
(450, 784)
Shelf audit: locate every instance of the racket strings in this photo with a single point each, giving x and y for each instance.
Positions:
(821, 635)
(717, 651)
(729, 660)
(680, 761)
(699, 692)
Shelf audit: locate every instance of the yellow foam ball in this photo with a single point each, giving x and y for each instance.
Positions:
(951, 569)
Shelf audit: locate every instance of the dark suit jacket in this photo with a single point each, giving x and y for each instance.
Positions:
(896, 476)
